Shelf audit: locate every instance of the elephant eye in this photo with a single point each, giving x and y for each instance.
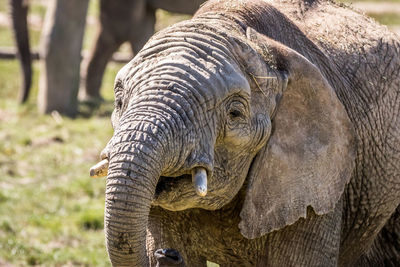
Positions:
(118, 103)
(236, 110)
(233, 114)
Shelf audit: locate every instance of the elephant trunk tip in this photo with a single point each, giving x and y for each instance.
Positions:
(168, 257)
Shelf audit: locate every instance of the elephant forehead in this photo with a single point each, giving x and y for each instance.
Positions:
(214, 76)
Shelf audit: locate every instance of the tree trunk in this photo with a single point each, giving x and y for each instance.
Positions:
(61, 52)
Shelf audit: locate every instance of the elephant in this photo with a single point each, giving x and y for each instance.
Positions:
(121, 21)
(257, 133)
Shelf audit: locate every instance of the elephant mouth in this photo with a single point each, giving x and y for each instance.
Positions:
(170, 191)
(181, 192)
(168, 184)
(197, 178)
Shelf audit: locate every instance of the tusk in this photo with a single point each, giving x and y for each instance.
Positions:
(100, 169)
(199, 179)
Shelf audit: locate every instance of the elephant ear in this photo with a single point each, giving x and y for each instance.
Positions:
(308, 158)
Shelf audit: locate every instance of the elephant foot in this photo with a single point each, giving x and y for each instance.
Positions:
(168, 257)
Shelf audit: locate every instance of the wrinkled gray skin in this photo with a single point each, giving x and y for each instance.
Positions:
(292, 108)
(125, 21)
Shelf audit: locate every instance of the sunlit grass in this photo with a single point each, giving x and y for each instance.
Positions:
(6, 37)
(51, 212)
(38, 8)
(4, 6)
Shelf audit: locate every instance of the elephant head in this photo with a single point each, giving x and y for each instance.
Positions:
(209, 107)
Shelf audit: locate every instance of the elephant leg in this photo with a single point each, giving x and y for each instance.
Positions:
(141, 34)
(313, 241)
(385, 251)
(19, 13)
(105, 46)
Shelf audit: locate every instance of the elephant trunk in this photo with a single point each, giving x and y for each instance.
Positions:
(136, 161)
(129, 191)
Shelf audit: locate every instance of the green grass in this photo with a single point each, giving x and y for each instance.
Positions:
(7, 37)
(3, 5)
(37, 8)
(51, 212)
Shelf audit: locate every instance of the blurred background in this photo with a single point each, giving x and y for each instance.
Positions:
(51, 211)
